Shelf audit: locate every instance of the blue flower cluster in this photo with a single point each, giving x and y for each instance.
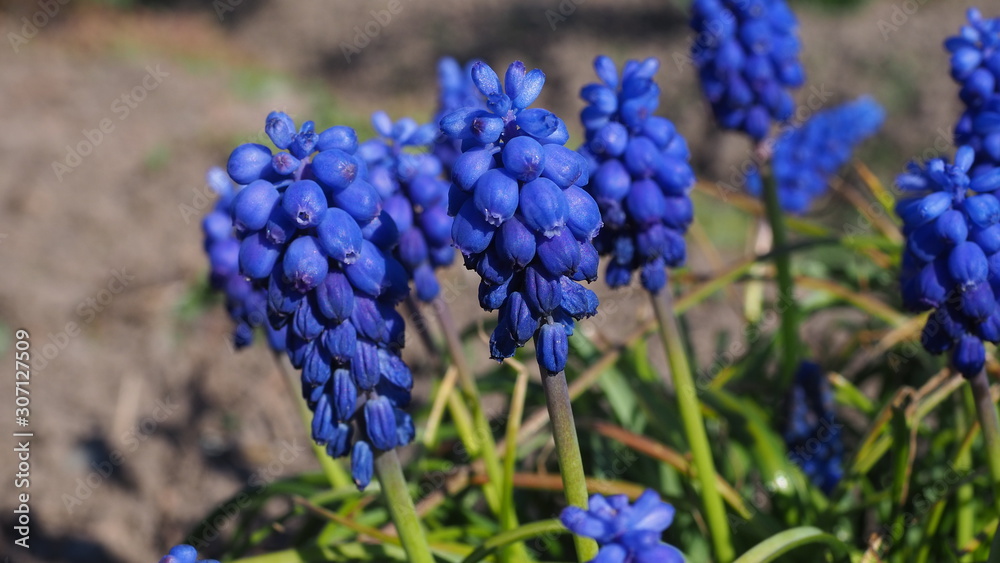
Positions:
(975, 64)
(811, 434)
(455, 91)
(414, 194)
(639, 174)
(952, 257)
(625, 533)
(184, 554)
(246, 300)
(522, 221)
(312, 228)
(747, 54)
(805, 157)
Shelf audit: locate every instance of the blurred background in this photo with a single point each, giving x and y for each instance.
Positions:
(144, 416)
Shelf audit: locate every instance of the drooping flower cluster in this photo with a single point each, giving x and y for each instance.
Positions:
(312, 228)
(951, 263)
(455, 91)
(807, 156)
(415, 195)
(639, 174)
(184, 554)
(522, 221)
(975, 65)
(246, 300)
(812, 435)
(747, 54)
(626, 533)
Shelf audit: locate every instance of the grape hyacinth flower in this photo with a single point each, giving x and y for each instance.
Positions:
(975, 65)
(639, 174)
(312, 228)
(414, 194)
(184, 554)
(246, 300)
(455, 91)
(812, 436)
(747, 54)
(951, 260)
(626, 533)
(806, 157)
(522, 221)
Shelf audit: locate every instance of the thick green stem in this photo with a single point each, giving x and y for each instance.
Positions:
(404, 515)
(694, 427)
(786, 287)
(568, 449)
(990, 426)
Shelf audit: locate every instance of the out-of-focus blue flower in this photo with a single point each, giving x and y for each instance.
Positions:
(455, 91)
(184, 554)
(246, 300)
(516, 200)
(314, 233)
(409, 180)
(952, 257)
(747, 54)
(639, 175)
(812, 435)
(807, 156)
(975, 65)
(626, 533)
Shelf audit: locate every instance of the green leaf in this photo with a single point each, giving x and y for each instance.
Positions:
(784, 542)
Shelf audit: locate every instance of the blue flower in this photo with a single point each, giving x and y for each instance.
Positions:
(640, 177)
(747, 54)
(812, 435)
(626, 533)
(805, 157)
(315, 238)
(415, 196)
(246, 300)
(975, 65)
(516, 200)
(455, 91)
(184, 554)
(952, 257)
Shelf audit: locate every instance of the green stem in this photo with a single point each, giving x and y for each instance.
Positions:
(786, 287)
(568, 449)
(965, 519)
(990, 426)
(485, 444)
(507, 511)
(470, 393)
(404, 515)
(694, 426)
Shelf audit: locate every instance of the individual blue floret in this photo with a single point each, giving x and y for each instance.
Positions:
(812, 434)
(314, 232)
(951, 260)
(747, 54)
(639, 175)
(516, 200)
(409, 180)
(626, 533)
(806, 157)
